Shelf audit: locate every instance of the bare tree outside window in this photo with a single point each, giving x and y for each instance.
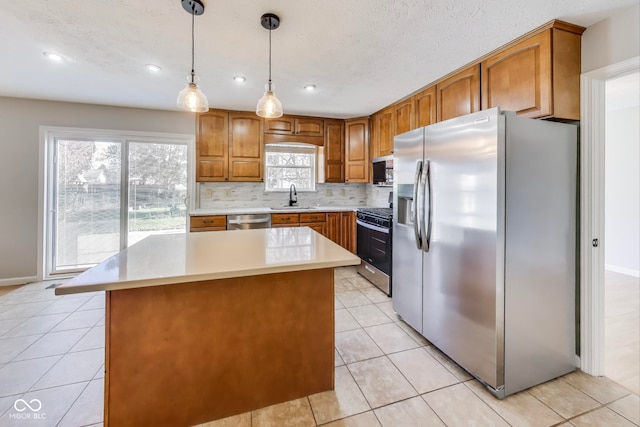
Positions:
(290, 164)
(90, 222)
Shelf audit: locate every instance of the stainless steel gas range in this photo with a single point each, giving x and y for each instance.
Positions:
(374, 245)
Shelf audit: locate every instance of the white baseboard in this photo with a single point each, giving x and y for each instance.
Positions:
(18, 281)
(622, 270)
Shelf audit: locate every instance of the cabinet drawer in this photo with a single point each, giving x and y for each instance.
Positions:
(285, 218)
(208, 221)
(198, 229)
(313, 217)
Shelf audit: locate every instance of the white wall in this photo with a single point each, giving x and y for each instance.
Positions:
(612, 40)
(622, 191)
(20, 120)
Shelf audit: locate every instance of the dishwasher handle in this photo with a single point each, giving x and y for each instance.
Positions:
(249, 221)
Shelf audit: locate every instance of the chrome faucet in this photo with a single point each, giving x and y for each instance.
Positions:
(293, 195)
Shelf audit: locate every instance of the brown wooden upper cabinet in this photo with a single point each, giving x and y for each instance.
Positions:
(382, 132)
(459, 94)
(357, 150)
(246, 148)
(212, 146)
(334, 150)
(229, 146)
(403, 118)
(538, 76)
(291, 125)
(425, 105)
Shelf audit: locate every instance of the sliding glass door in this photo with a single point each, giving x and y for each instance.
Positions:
(157, 184)
(107, 194)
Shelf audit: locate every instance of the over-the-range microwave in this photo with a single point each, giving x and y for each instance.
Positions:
(383, 170)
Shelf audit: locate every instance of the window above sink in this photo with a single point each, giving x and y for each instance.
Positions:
(292, 163)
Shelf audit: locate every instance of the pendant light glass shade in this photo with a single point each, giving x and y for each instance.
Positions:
(191, 97)
(269, 106)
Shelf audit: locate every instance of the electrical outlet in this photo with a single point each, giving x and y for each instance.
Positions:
(227, 193)
(329, 192)
(209, 193)
(343, 192)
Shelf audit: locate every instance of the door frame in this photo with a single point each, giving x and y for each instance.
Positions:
(592, 119)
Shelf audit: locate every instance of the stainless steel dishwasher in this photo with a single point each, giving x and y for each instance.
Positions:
(248, 221)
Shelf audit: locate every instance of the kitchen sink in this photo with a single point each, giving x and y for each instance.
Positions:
(290, 207)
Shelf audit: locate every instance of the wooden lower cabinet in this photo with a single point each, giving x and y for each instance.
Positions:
(320, 227)
(316, 221)
(291, 220)
(348, 231)
(334, 227)
(341, 229)
(208, 223)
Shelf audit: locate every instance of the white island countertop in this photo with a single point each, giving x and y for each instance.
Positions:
(191, 257)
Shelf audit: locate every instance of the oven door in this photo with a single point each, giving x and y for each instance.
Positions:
(374, 245)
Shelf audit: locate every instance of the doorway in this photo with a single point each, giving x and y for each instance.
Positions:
(592, 213)
(622, 231)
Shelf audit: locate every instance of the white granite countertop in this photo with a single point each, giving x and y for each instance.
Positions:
(190, 257)
(263, 210)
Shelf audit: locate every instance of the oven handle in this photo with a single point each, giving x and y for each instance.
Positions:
(372, 226)
(416, 206)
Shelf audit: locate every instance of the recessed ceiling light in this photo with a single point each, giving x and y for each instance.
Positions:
(240, 79)
(310, 88)
(53, 56)
(153, 68)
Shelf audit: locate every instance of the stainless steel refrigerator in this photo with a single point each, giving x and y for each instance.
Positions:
(484, 240)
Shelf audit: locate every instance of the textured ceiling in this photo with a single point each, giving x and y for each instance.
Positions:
(361, 54)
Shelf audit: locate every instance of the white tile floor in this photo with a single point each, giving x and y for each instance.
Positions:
(52, 349)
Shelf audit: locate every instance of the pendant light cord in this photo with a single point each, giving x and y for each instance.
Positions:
(193, 41)
(270, 25)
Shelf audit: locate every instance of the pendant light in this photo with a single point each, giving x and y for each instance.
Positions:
(191, 97)
(269, 105)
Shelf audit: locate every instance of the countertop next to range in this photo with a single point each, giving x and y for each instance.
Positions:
(265, 210)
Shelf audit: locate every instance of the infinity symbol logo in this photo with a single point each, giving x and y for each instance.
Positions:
(21, 405)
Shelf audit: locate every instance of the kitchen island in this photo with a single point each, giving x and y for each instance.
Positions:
(201, 326)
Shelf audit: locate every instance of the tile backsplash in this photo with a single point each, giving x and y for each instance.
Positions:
(220, 195)
(378, 196)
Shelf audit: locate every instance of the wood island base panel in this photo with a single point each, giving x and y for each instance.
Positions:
(186, 354)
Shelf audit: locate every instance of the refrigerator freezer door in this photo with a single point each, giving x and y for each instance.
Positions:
(406, 254)
(460, 269)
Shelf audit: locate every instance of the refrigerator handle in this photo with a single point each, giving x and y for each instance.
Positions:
(416, 217)
(426, 225)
